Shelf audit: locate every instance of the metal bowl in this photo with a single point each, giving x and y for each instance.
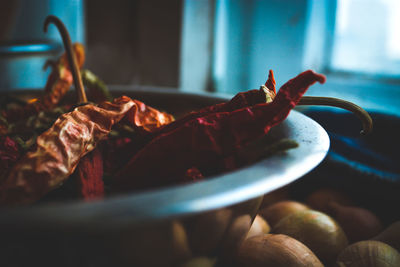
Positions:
(163, 227)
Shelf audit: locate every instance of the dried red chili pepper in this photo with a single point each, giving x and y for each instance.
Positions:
(205, 141)
(89, 174)
(58, 84)
(59, 149)
(119, 155)
(144, 117)
(266, 93)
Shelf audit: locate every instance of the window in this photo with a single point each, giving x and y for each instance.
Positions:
(367, 37)
(356, 43)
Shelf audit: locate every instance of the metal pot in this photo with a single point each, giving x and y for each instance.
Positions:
(165, 226)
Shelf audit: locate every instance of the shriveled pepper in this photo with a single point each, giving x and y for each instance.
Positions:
(121, 154)
(58, 84)
(59, 149)
(205, 141)
(265, 94)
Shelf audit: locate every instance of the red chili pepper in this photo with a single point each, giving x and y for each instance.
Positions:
(57, 85)
(120, 155)
(89, 174)
(240, 100)
(59, 149)
(205, 141)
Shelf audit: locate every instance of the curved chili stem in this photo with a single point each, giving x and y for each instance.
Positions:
(336, 102)
(70, 55)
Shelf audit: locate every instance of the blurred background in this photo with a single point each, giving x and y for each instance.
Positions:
(221, 46)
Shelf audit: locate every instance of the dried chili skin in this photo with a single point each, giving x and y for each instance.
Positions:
(59, 149)
(205, 141)
(89, 174)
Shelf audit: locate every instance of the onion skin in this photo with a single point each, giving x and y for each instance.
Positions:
(369, 254)
(358, 223)
(259, 227)
(317, 231)
(319, 199)
(275, 250)
(274, 213)
(390, 236)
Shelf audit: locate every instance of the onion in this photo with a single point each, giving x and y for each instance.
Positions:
(279, 210)
(319, 199)
(369, 254)
(358, 223)
(275, 250)
(199, 262)
(259, 227)
(316, 230)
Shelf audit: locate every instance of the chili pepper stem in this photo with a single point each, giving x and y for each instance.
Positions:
(70, 55)
(365, 118)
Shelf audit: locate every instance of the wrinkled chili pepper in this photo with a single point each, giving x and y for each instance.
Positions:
(205, 141)
(266, 93)
(59, 149)
(58, 84)
(89, 174)
(120, 155)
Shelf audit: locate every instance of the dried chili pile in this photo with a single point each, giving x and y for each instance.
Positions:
(209, 139)
(126, 145)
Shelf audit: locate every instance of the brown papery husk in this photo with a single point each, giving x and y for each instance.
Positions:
(275, 250)
(274, 213)
(390, 236)
(317, 231)
(358, 223)
(369, 254)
